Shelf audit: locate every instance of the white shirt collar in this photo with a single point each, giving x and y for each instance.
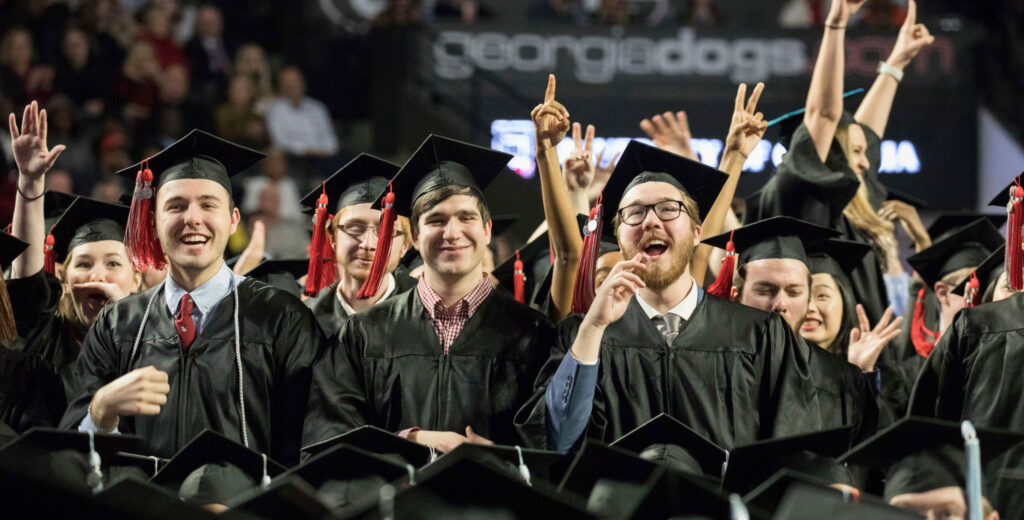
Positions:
(348, 308)
(683, 309)
(206, 296)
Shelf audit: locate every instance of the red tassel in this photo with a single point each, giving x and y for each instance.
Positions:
(316, 250)
(49, 255)
(972, 294)
(722, 286)
(140, 235)
(923, 338)
(518, 279)
(383, 251)
(583, 290)
(1014, 253)
(329, 273)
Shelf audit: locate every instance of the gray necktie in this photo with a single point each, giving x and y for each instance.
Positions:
(668, 325)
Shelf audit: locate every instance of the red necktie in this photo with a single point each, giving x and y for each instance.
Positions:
(183, 322)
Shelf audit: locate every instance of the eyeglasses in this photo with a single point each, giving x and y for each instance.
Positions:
(666, 210)
(357, 230)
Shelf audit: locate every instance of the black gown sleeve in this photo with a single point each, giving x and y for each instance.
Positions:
(35, 309)
(938, 391)
(97, 365)
(531, 421)
(31, 393)
(788, 403)
(296, 346)
(337, 397)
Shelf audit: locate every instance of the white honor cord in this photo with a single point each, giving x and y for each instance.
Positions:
(412, 474)
(523, 470)
(238, 353)
(972, 451)
(737, 509)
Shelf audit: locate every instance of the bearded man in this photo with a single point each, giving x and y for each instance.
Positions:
(654, 342)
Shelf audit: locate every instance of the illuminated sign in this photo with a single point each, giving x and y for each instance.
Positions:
(516, 136)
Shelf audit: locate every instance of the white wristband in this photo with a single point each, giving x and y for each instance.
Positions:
(885, 68)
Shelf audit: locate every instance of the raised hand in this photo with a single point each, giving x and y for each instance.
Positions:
(912, 38)
(670, 132)
(112, 291)
(613, 296)
(601, 173)
(31, 154)
(909, 219)
(579, 166)
(139, 392)
(866, 343)
(748, 125)
(550, 119)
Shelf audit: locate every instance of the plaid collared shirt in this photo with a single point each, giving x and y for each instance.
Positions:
(448, 323)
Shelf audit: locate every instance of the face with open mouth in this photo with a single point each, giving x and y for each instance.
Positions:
(194, 218)
(825, 313)
(104, 261)
(667, 246)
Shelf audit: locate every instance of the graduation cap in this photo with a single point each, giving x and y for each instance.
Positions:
(790, 121)
(836, 257)
(894, 194)
(198, 155)
(987, 272)
(145, 500)
(1003, 196)
(767, 496)
(88, 220)
(919, 454)
(67, 458)
(285, 497)
(361, 180)
(212, 468)
(776, 237)
(530, 464)
(10, 247)
(502, 223)
(965, 247)
(375, 440)
(810, 502)
(54, 204)
(954, 221)
(442, 161)
(812, 452)
(344, 475)
(641, 163)
(283, 273)
(692, 454)
(618, 484)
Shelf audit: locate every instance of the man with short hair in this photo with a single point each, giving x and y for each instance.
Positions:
(206, 348)
(451, 360)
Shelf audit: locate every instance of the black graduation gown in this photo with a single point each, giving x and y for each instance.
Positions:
(390, 371)
(734, 374)
(976, 373)
(38, 368)
(328, 310)
(843, 395)
(804, 187)
(279, 340)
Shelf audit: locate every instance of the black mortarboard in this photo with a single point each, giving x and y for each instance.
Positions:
(344, 474)
(788, 123)
(441, 161)
(966, 247)
(50, 439)
(752, 207)
(10, 247)
(145, 500)
(531, 252)
(893, 194)
(699, 455)
(144, 465)
(987, 272)
(361, 180)
(198, 155)
(809, 502)
(641, 163)
(212, 468)
(54, 204)
(538, 463)
(88, 220)
(812, 452)
(285, 497)
(281, 273)
(61, 456)
(954, 221)
(502, 223)
(769, 494)
(836, 257)
(1003, 196)
(919, 454)
(617, 484)
(776, 237)
(375, 440)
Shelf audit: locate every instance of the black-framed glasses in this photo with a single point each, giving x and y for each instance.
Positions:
(665, 210)
(357, 230)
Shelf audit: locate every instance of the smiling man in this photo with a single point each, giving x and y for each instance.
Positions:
(654, 342)
(205, 348)
(451, 360)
